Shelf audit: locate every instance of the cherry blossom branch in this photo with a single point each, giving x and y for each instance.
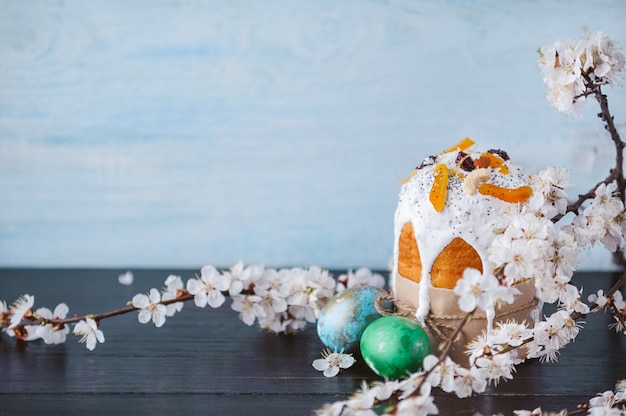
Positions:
(446, 347)
(98, 317)
(280, 301)
(576, 315)
(594, 305)
(606, 116)
(575, 206)
(584, 408)
(33, 317)
(615, 174)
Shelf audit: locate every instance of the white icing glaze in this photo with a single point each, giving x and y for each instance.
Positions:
(470, 217)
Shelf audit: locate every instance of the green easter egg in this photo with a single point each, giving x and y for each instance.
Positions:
(394, 346)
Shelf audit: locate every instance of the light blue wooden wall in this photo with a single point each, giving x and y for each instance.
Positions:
(180, 133)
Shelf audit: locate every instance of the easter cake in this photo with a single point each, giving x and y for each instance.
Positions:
(447, 213)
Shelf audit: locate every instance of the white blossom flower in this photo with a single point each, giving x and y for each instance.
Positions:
(467, 381)
(620, 390)
(598, 298)
(496, 367)
(275, 281)
(536, 350)
(173, 284)
(547, 289)
(53, 333)
(299, 286)
(208, 288)
(478, 347)
(333, 409)
(320, 287)
(505, 294)
(519, 257)
(126, 278)
(620, 315)
(565, 255)
(362, 401)
(475, 289)
(21, 308)
(569, 327)
(533, 227)
(536, 412)
(578, 306)
(4, 314)
(362, 277)
(550, 289)
(605, 195)
(302, 314)
(277, 323)
(249, 307)
(242, 277)
(510, 333)
(442, 375)
(602, 59)
(569, 293)
(548, 333)
(618, 300)
(552, 334)
(602, 405)
(295, 325)
(150, 308)
(409, 385)
(89, 333)
(332, 362)
(420, 405)
(272, 300)
(383, 390)
(26, 333)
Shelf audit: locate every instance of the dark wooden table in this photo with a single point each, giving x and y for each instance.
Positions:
(207, 362)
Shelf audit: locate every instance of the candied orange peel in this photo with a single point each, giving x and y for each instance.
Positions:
(439, 189)
(512, 195)
(408, 178)
(496, 162)
(461, 145)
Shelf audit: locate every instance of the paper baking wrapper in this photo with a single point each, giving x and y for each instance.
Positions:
(445, 315)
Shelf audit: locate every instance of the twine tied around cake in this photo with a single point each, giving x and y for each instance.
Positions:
(388, 305)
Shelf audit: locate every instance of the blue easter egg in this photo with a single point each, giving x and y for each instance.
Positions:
(343, 319)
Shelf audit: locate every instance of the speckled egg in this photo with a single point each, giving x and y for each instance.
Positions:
(343, 319)
(394, 346)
